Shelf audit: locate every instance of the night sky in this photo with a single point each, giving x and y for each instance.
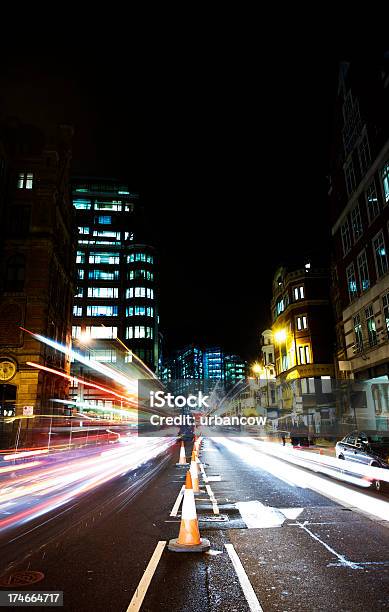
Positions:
(229, 149)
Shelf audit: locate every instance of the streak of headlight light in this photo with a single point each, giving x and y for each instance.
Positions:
(334, 490)
(81, 380)
(94, 365)
(105, 473)
(25, 454)
(323, 463)
(86, 405)
(14, 468)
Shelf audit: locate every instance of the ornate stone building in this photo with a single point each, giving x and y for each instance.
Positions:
(37, 269)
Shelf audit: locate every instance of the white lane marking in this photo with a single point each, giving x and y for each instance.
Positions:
(342, 558)
(214, 478)
(259, 516)
(245, 583)
(139, 595)
(213, 499)
(210, 493)
(178, 502)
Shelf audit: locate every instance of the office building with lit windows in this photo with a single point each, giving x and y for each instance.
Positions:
(213, 361)
(359, 200)
(116, 294)
(235, 369)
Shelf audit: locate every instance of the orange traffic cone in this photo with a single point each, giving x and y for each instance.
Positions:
(182, 461)
(189, 539)
(194, 472)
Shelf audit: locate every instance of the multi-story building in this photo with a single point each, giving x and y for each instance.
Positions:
(303, 344)
(188, 363)
(359, 197)
(37, 261)
(235, 369)
(116, 297)
(213, 364)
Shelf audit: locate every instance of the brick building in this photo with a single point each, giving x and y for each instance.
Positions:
(359, 197)
(37, 254)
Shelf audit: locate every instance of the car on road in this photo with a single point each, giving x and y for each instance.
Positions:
(368, 447)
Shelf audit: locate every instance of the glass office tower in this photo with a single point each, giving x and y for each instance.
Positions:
(116, 295)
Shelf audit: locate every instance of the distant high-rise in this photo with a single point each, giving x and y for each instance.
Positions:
(116, 296)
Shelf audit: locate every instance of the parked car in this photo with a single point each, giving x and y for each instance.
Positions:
(368, 447)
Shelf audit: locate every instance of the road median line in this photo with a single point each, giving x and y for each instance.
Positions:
(141, 590)
(178, 502)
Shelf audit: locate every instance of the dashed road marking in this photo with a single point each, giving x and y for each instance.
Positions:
(178, 502)
(139, 595)
(245, 583)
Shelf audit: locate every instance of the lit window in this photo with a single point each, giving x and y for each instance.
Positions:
(103, 258)
(363, 271)
(351, 282)
(356, 223)
(102, 332)
(80, 257)
(128, 235)
(139, 331)
(103, 292)
(82, 204)
(106, 234)
(129, 311)
(83, 230)
(381, 260)
(101, 311)
(304, 354)
(25, 180)
(298, 293)
(136, 274)
(140, 257)
(346, 239)
(104, 274)
(385, 181)
(103, 220)
(302, 322)
(77, 311)
(80, 273)
(373, 207)
(280, 306)
(79, 292)
(115, 205)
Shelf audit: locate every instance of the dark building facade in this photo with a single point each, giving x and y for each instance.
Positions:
(116, 297)
(359, 198)
(37, 269)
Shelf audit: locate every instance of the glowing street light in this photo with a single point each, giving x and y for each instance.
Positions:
(256, 368)
(280, 336)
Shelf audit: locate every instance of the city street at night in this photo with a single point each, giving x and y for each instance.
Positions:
(194, 316)
(304, 540)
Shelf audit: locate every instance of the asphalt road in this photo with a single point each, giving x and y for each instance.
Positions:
(300, 549)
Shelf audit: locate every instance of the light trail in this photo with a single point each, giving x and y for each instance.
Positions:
(63, 477)
(249, 450)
